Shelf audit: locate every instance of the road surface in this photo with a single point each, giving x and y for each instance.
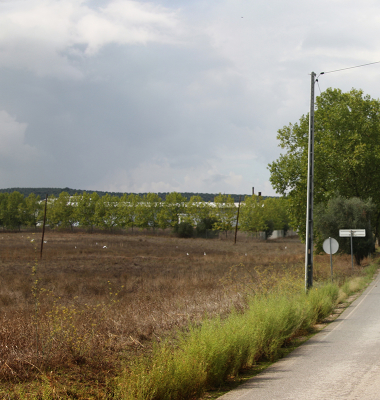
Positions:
(340, 362)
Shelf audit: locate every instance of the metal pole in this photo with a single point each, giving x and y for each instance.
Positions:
(310, 190)
(331, 267)
(352, 255)
(237, 219)
(43, 227)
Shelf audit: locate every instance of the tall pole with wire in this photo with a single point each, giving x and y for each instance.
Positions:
(310, 191)
(310, 179)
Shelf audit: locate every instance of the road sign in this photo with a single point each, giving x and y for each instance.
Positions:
(352, 232)
(330, 246)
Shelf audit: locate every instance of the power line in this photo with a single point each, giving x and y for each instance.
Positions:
(356, 66)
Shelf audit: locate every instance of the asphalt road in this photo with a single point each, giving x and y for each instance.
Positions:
(340, 362)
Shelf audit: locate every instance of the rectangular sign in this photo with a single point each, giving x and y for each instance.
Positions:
(352, 232)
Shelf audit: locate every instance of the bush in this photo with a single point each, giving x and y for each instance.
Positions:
(269, 228)
(184, 230)
(341, 213)
(205, 225)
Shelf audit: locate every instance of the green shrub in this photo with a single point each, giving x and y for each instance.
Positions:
(184, 230)
(206, 224)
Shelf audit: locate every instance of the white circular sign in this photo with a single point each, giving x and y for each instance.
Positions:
(334, 246)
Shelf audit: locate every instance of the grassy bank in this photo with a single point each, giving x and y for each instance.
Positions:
(209, 354)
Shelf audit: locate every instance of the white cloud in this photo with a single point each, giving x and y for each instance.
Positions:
(126, 22)
(42, 35)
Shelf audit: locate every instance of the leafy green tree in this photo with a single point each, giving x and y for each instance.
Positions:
(197, 211)
(147, 211)
(13, 215)
(85, 210)
(224, 212)
(172, 208)
(267, 215)
(276, 214)
(252, 218)
(32, 210)
(133, 201)
(341, 213)
(127, 210)
(106, 212)
(346, 153)
(61, 211)
(3, 208)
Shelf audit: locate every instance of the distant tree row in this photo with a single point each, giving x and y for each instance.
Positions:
(143, 211)
(57, 191)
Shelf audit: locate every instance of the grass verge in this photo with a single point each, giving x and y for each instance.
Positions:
(207, 355)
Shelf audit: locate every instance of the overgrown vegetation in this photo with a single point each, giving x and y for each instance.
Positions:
(149, 317)
(207, 355)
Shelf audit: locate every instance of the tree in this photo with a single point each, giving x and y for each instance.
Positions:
(342, 213)
(276, 214)
(3, 208)
(224, 212)
(127, 210)
(85, 210)
(199, 212)
(147, 211)
(61, 211)
(346, 153)
(172, 208)
(32, 210)
(12, 210)
(106, 212)
(252, 218)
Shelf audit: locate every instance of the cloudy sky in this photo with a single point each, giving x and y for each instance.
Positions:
(168, 95)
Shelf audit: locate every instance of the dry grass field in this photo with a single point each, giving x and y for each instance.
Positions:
(96, 299)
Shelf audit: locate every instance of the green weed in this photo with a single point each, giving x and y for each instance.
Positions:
(208, 354)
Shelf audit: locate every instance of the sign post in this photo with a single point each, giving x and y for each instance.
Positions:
(331, 246)
(352, 233)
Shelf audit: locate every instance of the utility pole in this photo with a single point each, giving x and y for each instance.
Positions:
(43, 227)
(237, 218)
(310, 191)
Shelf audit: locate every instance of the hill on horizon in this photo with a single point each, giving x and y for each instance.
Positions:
(42, 192)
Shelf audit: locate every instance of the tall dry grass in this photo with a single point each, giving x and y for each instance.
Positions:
(97, 300)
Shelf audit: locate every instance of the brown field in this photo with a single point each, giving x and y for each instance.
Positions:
(96, 299)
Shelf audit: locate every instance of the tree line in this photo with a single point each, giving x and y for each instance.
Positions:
(147, 211)
(56, 192)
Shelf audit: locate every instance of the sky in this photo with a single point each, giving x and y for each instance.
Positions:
(171, 95)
